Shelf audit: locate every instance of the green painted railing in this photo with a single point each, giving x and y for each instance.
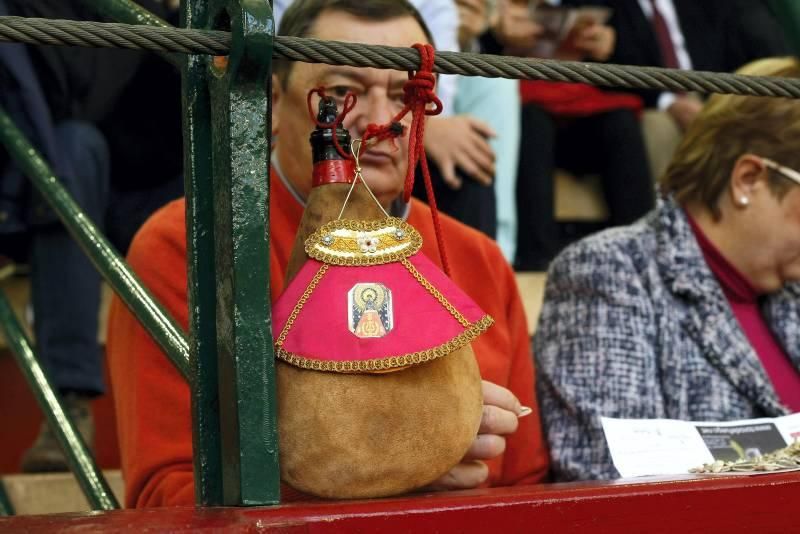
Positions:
(6, 508)
(227, 143)
(228, 358)
(80, 460)
(125, 11)
(108, 262)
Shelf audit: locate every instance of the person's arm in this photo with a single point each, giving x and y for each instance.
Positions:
(595, 354)
(151, 398)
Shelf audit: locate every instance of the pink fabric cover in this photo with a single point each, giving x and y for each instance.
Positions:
(321, 330)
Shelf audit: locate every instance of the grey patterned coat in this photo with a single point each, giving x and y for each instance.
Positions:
(635, 325)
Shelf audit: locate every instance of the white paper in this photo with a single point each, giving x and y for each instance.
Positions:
(644, 447)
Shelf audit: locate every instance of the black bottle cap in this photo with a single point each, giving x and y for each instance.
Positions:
(322, 145)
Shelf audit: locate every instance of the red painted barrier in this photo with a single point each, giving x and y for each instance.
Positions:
(760, 504)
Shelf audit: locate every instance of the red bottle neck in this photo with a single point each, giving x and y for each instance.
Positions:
(333, 171)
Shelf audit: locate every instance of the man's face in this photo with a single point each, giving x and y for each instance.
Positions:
(379, 93)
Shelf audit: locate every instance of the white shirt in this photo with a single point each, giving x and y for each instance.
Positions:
(670, 15)
(441, 16)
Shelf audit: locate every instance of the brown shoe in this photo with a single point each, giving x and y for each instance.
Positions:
(45, 454)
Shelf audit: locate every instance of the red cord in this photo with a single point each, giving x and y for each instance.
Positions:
(418, 93)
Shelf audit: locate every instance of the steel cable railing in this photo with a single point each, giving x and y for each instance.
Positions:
(190, 41)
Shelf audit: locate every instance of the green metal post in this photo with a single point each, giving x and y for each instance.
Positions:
(198, 183)
(240, 129)
(199, 190)
(80, 460)
(6, 508)
(107, 260)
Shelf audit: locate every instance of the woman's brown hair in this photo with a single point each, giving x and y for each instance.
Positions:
(730, 126)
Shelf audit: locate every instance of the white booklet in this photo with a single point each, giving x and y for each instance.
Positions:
(646, 447)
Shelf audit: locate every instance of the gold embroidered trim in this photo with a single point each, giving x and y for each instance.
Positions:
(349, 242)
(388, 363)
(436, 294)
(300, 303)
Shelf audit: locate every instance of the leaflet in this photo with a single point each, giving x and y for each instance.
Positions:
(646, 447)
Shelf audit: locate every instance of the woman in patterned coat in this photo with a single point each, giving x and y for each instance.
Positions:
(693, 312)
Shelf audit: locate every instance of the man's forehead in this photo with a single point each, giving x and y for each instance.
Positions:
(361, 75)
(341, 26)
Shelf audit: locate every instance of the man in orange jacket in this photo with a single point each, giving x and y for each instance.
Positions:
(153, 401)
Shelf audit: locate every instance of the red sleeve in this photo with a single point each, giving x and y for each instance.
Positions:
(152, 399)
(526, 460)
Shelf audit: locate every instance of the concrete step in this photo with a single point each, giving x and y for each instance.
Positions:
(579, 198)
(531, 288)
(53, 493)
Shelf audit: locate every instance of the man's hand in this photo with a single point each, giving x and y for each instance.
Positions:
(684, 110)
(513, 27)
(460, 141)
(501, 411)
(172, 5)
(596, 41)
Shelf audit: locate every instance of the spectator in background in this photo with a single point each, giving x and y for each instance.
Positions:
(575, 127)
(462, 161)
(496, 102)
(693, 312)
(714, 35)
(58, 97)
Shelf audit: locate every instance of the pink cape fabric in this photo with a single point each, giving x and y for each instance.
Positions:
(321, 330)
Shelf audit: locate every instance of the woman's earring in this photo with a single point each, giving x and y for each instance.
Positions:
(744, 201)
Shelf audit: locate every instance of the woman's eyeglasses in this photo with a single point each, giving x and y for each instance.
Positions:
(786, 172)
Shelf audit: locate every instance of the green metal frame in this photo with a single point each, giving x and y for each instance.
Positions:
(106, 260)
(227, 136)
(80, 460)
(228, 359)
(227, 139)
(6, 508)
(126, 11)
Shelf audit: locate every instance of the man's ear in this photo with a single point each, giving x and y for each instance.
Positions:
(277, 94)
(748, 177)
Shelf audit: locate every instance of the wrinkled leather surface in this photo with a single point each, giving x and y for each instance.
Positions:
(345, 436)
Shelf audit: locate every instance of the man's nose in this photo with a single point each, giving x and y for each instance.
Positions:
(371, 109)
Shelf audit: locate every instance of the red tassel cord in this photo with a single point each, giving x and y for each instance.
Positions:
(418, 93)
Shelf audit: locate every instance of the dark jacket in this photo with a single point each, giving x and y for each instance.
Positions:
(721, 35)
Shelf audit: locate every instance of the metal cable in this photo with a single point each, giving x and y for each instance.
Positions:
(140, 37)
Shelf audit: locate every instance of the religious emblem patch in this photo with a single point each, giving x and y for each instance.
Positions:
(370, 312)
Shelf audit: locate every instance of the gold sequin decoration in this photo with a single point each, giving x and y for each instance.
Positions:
(436, 294)
(390, 363)
(349, 242)
(300, 303)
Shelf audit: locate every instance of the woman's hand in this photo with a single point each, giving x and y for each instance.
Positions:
(595, 41)
(513, 27)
